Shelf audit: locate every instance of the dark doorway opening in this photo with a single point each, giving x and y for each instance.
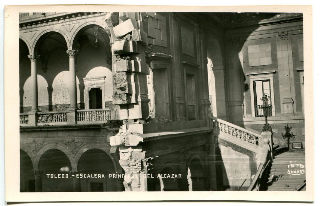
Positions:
(95, 98)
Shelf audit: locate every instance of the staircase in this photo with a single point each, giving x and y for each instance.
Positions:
(287, 172)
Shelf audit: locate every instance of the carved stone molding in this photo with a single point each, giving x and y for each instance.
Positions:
(33, 57)
(71, 52)
(283, 35)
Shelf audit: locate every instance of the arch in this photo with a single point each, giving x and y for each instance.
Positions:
(42, 91)
(41, 34)
(56, 146)
(168, 184)
(192, 157)
(86, 148)
(101, 24)
(97, 162)
(60, 88)
(23, 39)
(27, 178)
(54, 167)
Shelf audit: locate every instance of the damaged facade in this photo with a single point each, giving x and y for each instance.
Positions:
(155, 95)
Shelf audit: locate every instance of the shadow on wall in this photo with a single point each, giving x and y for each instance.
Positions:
(237, 83)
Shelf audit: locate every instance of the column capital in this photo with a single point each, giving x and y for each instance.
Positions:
(71, 52)
(33, 57)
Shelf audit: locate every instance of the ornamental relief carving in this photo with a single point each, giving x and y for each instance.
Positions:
(283, 35)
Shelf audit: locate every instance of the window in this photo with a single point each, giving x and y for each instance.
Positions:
(191, 96)
(261, 87)
(262, 90)
(161, 89)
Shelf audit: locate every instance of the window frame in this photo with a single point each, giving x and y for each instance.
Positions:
(261, 77)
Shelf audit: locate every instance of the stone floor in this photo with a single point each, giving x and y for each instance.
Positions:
(287, 172)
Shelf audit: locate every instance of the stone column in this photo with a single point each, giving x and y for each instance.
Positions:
(21, 93)
(50, 90)
(73, 82)
(33, 60)
(34, 87)
(76, 184)
(73, 90)
(38, 181)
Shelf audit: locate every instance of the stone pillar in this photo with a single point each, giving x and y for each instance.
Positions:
(34, 103)
(71, 118)
(21, 93)
(38, 181)
(50, 90)
(132, 159)
(285, 70)
(72, 70)
(76, 185)
(129, 92)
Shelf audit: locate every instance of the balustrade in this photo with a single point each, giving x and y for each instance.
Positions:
(94, 116)
(24, 119)
(51, 117)
(238, 132)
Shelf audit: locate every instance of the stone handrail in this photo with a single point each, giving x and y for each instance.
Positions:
(255, 184)
(51, 117)
(238, 133)
(93, 115)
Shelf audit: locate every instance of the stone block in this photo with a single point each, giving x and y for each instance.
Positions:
(133, 140)
(136, 36)
(135, 111)
(123, 113)
(135, 128)
(122, 65)
(121, 98)
(121, 82)
(124, 47)
(124, 28)
(116, 140)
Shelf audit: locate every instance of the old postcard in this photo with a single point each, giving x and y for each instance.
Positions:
(127, 103)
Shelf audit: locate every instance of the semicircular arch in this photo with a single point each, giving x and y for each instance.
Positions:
(54, 146)
(41, 34)
(81, 26)
(87, 148)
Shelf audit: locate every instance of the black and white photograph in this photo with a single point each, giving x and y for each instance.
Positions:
(127, 101)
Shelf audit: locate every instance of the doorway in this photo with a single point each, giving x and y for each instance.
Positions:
(95, 98)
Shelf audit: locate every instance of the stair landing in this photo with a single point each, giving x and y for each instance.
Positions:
(287, 172)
